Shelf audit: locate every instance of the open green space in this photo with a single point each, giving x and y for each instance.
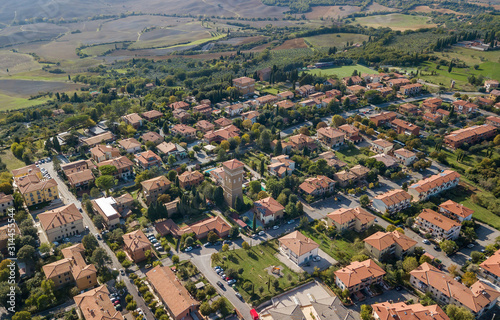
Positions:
(396, 21)
(11, 161)
(336, 40)
(350, 155)
(15, 103)
(344, 71)
(469, 56)
(255, 266)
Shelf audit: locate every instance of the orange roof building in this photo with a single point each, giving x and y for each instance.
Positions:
(402, 311)
(470, 135)
(103, 152)
(61, 222)
(190, 178)
(148, 159)
(433, 185)
(382, 245)
(359, 275)
(439, 226)
(95, 304)
(153, 188)
(133, 119)
(357, 219)
(317, 186)
(298, 248)
(135, 245)
(490, 268)
(392, 201)
(172, 293)
(479, 298)
(455, 211)
(268, 210)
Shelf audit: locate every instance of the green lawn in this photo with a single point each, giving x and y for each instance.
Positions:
(338, 40)
(482, 214)
(11, 161)
(350, 155)
(396, 21)
(253, 264)
(14, 103)
(344, 71)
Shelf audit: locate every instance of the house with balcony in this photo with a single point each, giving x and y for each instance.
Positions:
(456, 211)
(381, 146)
(148, 159)
(133, 119)
(490, 268)
(130, 145)
(402, 311)
(382, 245)
(153, 188)
(392, 201)
(317, 186)
(331, 137)
(359, 275)
(405, 156)
(357, 219)
(103, 152)
(281, 166)
(124, 167)
(268, 210)
(298, 248)
(433, 185)
(135, 245)
(440, 227)
(405, 127)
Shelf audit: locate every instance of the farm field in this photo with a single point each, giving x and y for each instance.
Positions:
(338, 40)
(344, 71)
(469, 56)
(25, 88)
(8, 102)
(16, 63)
(396, 21)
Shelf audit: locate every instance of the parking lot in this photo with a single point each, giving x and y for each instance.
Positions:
(390, 295)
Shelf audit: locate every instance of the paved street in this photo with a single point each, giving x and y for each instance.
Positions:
(67, 197)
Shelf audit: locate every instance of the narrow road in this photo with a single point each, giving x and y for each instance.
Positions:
(67, 197)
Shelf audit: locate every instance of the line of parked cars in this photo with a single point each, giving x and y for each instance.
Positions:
(115, 299)
(155, 242)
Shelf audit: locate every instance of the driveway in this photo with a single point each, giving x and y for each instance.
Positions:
(391, 295)
(324, 263)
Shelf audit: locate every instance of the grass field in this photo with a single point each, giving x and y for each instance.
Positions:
(254, 264)
(11, 161)
(396, 21)
(15, 103)
(344, 71)
(338, 40)
(469, 56)
(482, 214)
(350, 155)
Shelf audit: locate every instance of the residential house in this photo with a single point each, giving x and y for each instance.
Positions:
(298, 248)
(456, 211)
(359, 275)
(76, 166)
(153, 188)
(464, 107)
(432, 104)
(36, 191)
(190, 178)
(490, 85)
(285, 104)
(133, 119)
(494, 94)
(301, 141)
(124, 167)
(318, 186)
(234, 109)
(331, 160)
(484, 102)
(344, 178)
(374, 86)
(403, 311)
(152, 115)
(285, 95)
(352, 98)
(360, 171)
(264, 74)
(381, 146)
(27, 170)
(493, 121)
(432, 117)
(385, 91)
(216, 224)
(354, 80)
(443, 113)
(386, 159)
(153, 137)
(392, 201)
(80, 180)
(103, 152)
(107, 208)
(305, 90)
(135, 245)
(181, 115)
(490, 268)
(470, 135)
(439, 226)
(334, 93)
(250, 115)
(172, 293)
(433, 185)
(281, 166)
(411, 89)
(268, 210)
(203, 109)
(170, 148)
(95, 304)
(184, 130)
(180, 105)
(204, 126)
(222, 122)
(130, 145)
(72, 269)
(380, 245)
(357, 219)
(267, 99)
(383, 118)
(6, 202)
(408, 108)
(356, 89)
(220, 135)
(148, 159)
(62, 222)
(405, 127)
(478, 299)
(398, 82)
(99, 139)
(351, 132)
(331, 137)
(405, 156)
(244, 85)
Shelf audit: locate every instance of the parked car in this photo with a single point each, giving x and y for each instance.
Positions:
(116, 302)
(291, 221)
(188, 249)
(425, 241)
(118, 307)
(317, 258)
(208, 244)
(238, 295)
(276, 227)
(261, 233)
(470, 245)
(231, 282)
(227, 242)
(220, 285)
(122, 272)
(437, 248)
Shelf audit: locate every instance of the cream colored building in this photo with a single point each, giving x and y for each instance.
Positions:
(385, 244)
(357, 219)
(61, 223)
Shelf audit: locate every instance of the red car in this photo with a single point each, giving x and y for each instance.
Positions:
(116, 302)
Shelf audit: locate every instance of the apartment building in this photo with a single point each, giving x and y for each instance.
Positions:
(103, 152)
(318, 186)
(95, 304)
(411, 89)
(464, 107)
(439, 226)
(184, 130)
(405, 127)
(433, 185)
(382, 245)
(35, 190)
(408, 108)
(244, 85)
(456, 211)
(331, 137)
(478, 299)
(357, 219)
(470, 135)
(493, 121)
(62, 222)
(135, 245)
(148, 159)
(153, 188)
(405, 156)
(359, 275)
(381, 146)
(490, 268)
(383, 118)
(403, 311)
(432, 104)
(392, 201)
(190, 178)
(268, 210)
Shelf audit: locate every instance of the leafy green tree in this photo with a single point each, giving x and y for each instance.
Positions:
(108, 170)
(245, 245)
(90, 242)
(26, 253)
(364, 200)
(469, 278)
(22, 315)
(366, 312)
(448, 246)
(212, 237)
(458, 313)
(105, 183)
(410, 263)
(100, 258)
